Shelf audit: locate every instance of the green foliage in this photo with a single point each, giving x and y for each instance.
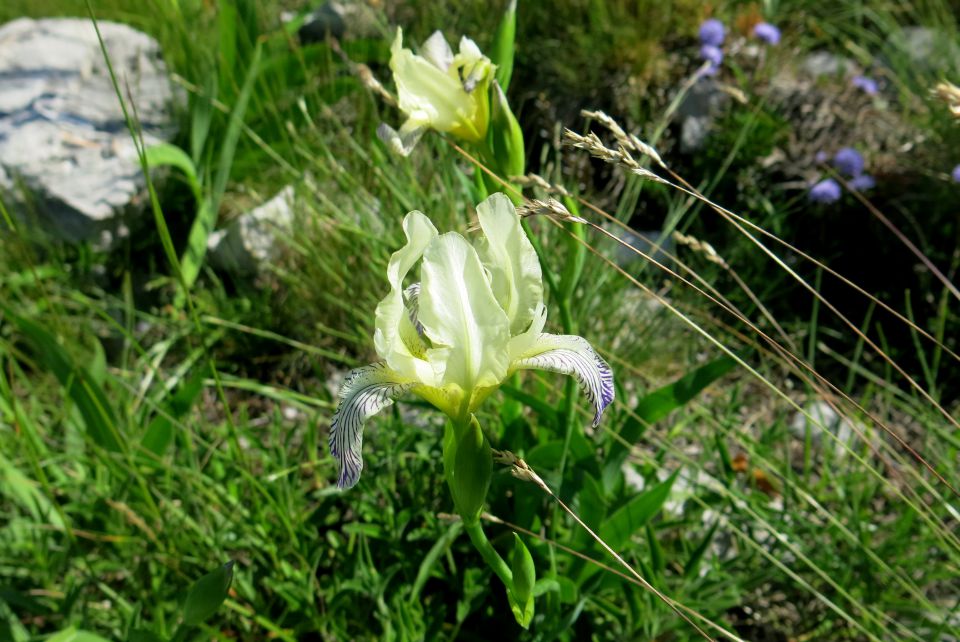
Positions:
(207, 594)
(504, 45)
(524, 580)
(468, 463)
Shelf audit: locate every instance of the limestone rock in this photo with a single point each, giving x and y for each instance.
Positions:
(249, 242)
(63, 138)
(698, 112)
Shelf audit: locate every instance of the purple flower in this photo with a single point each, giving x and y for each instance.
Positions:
(955, 174)
(712, 53)
(768, 33)
(826, 191)
(821, 157)
(848, 161)
(866, 83)
(862, 183)
(712, 32)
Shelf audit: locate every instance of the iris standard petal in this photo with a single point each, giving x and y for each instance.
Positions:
(396, 339)
(468, 329)
(437, 51)
(365, 392)
(508, 255)
(572, 355)
(425, 92)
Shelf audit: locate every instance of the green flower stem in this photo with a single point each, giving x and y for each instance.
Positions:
(489, 553)
(456, 430)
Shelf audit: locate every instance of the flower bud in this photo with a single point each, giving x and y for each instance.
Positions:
(470, 466)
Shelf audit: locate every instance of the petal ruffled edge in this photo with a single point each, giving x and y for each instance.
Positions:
(365, 392)
(572, 355)
(515, 274)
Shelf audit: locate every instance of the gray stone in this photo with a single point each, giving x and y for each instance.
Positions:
(62, 132)
(922, 49)
(824, 63)
(651, 242)
(337, 19)
(698, 111)
(822, 417)
(249, 242)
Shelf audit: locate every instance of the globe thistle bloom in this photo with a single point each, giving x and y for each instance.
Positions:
(826, 191)
(862, 183)
(712, 32)
(713, 54)
(865, 83)
(955, 174)
(767, 32)
(439, 90)
(848, 161)
(474, 318)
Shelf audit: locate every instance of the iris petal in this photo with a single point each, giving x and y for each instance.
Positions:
(426, 93)
(396, 338)
(365, 392)
(437, 51)
(572, 355)
(467, 328)
(508, 255)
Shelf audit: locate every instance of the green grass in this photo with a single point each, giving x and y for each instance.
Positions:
(145, 443)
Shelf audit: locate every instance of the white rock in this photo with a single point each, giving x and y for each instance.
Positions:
(822, 417)
(62, 132)
(249, 242)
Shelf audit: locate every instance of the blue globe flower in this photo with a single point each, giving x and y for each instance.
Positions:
(712, 32)
(768, 33)
(848, 161)
(826, 191)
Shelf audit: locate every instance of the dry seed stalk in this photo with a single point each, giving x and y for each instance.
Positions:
(592, 144)
(535, 180)
(550, 207)
(950, 94)
(627, 141)
(700, 246)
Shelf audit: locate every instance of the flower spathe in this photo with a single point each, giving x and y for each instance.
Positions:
(475, 317)
(439, 90)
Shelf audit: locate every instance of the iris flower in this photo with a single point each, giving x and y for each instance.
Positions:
(439, 90)
(474, 318)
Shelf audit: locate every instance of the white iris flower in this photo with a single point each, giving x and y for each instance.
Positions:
(439, 90)
(475, 317)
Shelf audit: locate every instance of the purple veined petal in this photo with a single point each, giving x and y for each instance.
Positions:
(862, 183)
(412, 297)
(955, 174)
(365, 392)
(865, 83)
(712, 53)
(712, 32)
(572, 355)
(848, 161)
(768, 33)
(826, 191)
